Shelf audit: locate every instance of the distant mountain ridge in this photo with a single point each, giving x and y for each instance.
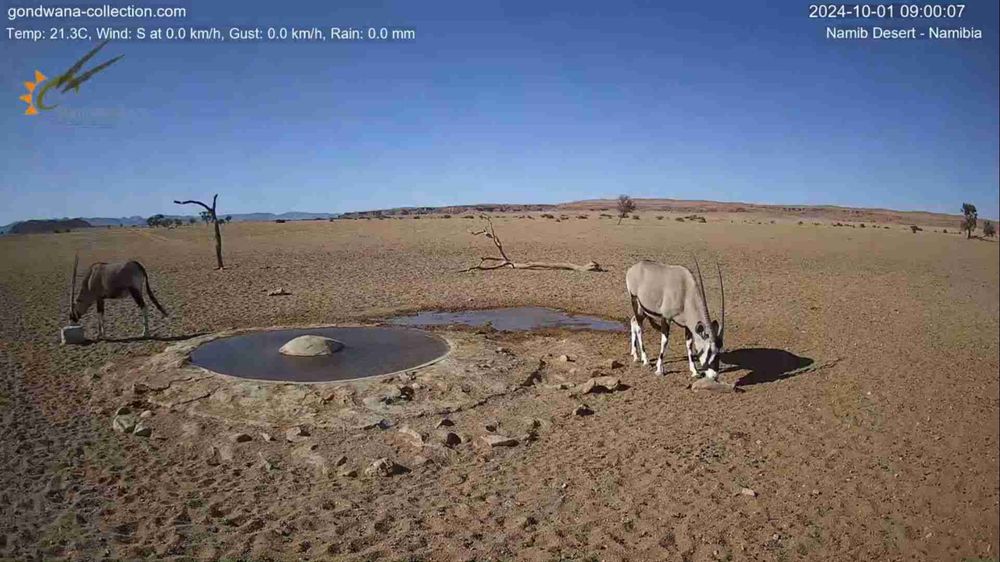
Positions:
(822, 212)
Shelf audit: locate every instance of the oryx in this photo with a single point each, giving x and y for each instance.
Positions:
(669, 293)
(111, 281)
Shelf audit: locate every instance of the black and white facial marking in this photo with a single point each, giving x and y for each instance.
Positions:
(708, 346)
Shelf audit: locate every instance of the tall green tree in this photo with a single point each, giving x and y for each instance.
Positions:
(970, 220)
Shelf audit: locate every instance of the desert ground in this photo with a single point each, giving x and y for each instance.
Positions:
(884, 448)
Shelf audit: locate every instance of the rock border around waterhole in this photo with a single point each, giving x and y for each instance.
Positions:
(469, 373)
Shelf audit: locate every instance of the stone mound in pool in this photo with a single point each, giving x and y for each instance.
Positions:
(311, 346)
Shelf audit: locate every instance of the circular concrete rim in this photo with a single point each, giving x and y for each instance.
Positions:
(241, 331)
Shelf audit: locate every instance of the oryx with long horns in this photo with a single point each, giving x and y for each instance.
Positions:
(669, 293)
(111, 281)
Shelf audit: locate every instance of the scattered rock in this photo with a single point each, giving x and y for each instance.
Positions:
(524, 522)
(582, 410)
(601, 384)
(123, 410)
(72, 335)
(266, 436)
(279, 292)
(444, 422)
(218, 455)
(311, 346)
(565, 358)
(340, 461)
(748, 492)
(413, 436)
(385, 467)
(146, 414)
(296, 434)
(348, 472)
(142, 430)
(264, 463)
(124, 423)
(613, 364)
(375, 423)
(491, 425)
(308, 453)
(241, 437)
(560, 386)
(494, 440)
(707, 384)
(140, 388)
(447, 438)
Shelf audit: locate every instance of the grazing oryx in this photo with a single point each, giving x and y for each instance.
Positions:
(669, 293)
(111, 281)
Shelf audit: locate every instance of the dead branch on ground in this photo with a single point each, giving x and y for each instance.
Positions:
(490, 263)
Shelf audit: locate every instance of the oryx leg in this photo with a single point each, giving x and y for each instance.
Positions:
(637, 341)
(664, 328)
(137, 297)
(636, 337)
(100, 319)
(689, 344)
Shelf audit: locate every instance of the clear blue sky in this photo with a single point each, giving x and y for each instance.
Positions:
(507, 102)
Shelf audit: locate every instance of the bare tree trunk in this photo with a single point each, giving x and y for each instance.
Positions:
(490, 263)
(215, 219)
(218, 243)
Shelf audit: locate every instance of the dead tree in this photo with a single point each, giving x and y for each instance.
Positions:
(215, 221)
(490, 263)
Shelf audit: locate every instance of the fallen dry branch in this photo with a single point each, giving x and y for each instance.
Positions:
(491, 262)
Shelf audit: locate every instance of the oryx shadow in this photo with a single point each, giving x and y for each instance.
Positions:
(134, 339)
(764, 364)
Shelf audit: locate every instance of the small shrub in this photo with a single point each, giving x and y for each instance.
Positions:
(915, 229)
(548, 216)
(800, 223)
(659, 217)
(635, 217)
(446, 216)
(989, 229)
(583, 217)
(416, 217)
(679, 219)
(862, 225)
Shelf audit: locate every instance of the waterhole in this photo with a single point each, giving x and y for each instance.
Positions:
(515, 319)
(367, 352)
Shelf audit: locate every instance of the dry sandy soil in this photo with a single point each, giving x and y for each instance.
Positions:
(886, 448)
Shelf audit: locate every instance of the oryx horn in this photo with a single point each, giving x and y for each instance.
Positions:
(722, 289)
(72, 281)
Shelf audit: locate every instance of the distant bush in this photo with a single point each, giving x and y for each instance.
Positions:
(800, 223)
(659, 217)
(862, 225)
(989, 229)
(416, 217)
(606, 216)
(679, 219)
(583, 217)
(696, 218)
(635, 217)
(548, 216)
(446, 216)
(915, 229)
(280, 221)
(468, 216)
